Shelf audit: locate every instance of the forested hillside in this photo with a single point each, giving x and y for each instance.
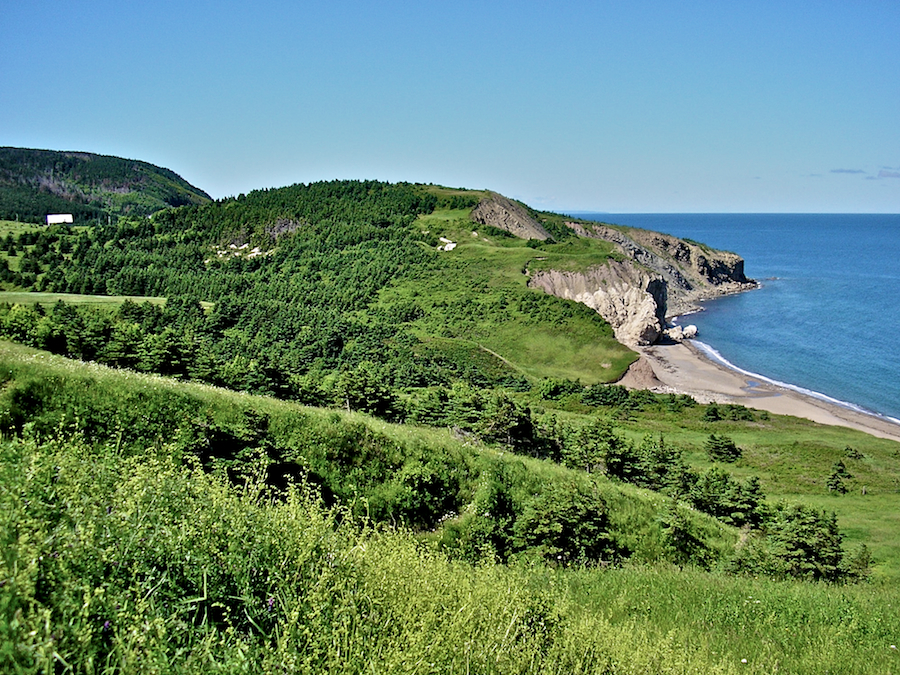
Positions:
(308, 282)
(91, 187)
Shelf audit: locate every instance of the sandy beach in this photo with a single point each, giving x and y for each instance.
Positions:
(683, 368)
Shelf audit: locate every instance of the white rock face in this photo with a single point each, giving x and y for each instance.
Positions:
(631, 300)
(692, 272)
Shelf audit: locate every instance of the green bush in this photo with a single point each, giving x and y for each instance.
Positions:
(566, 523)
(722, 449)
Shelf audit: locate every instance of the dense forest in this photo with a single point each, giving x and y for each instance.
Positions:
(401, 397)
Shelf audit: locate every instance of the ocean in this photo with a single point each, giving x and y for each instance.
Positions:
(827, 315)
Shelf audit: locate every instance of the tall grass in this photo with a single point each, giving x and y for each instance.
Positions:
(117, 564)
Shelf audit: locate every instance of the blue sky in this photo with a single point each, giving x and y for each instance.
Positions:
(578, 106)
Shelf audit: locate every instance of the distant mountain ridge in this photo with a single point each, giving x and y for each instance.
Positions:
(34, 183)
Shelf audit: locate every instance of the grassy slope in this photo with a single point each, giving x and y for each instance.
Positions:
(256, 585)
(798, 475)
(476, 299)
(137, 408)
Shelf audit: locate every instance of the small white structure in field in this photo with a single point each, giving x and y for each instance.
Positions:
(59, 218)
(448, 244)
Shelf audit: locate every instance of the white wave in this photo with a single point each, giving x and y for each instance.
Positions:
(714, 355)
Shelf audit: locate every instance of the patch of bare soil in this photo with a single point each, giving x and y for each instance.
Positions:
(640, 375)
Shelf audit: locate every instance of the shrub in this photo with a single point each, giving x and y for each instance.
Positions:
(607, 395)
(806, 543)
(566, 523)
(722, 449)
(712, 413)
(554, 389)
(836, 479)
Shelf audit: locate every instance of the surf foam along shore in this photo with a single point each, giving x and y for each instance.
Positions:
(687, 368)
(712, 354)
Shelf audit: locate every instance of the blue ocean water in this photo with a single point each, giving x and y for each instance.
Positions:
(826, 318)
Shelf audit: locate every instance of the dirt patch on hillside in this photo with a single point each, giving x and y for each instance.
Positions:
(640, 375)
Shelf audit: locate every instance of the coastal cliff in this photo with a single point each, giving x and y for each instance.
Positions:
(692, 272)
(658, 276)
(632, 300)
(652, 276)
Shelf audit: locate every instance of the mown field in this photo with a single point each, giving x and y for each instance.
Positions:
(47, 299)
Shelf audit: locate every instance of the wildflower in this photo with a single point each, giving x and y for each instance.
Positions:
(106, 625)
(743, 660)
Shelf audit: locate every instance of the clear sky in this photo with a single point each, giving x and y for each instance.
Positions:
(631, 106)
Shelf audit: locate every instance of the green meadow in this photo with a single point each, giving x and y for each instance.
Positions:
(46, 299)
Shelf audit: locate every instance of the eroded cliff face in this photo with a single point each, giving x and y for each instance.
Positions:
(657, 275)
(692, 272)
(630, 299)
(660, 276)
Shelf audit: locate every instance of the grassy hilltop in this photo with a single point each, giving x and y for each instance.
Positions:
(331, 427)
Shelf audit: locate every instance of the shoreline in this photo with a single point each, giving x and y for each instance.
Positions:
(684, 369)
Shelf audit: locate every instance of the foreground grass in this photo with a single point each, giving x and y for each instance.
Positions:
(114, 564)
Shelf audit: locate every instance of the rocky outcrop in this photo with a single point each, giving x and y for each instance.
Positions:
(505, 214)
(630, 299)
(692, 272)
(681, 333)
(640, 375)
(655, 276)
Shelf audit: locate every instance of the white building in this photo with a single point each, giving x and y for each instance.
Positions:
(59, 218)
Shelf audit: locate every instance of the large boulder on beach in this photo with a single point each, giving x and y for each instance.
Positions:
(640, 375)
(681, 333)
